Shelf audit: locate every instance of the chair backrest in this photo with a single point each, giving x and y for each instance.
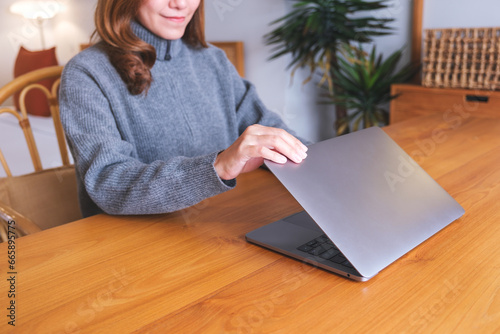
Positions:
(46, 197)
(24, 84)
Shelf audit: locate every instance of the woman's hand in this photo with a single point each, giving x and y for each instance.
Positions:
(254, 145)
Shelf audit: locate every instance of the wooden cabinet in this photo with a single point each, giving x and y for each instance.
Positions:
(415, 100)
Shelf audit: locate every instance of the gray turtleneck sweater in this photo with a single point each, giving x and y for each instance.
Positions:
(155, 153)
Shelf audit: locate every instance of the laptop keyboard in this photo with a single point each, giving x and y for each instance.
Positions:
(324, 248)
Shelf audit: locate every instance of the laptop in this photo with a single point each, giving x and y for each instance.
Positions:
(366, 203)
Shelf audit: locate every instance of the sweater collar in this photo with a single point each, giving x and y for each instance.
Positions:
(165, 49)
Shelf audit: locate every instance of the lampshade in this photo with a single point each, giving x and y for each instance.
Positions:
(38, 10)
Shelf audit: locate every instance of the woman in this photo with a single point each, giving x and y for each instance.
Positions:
(157, 120)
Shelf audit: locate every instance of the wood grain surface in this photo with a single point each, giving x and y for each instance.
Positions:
(416, 100)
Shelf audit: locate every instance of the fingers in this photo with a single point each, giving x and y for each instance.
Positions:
(275, 144)
(255, 144)
(266, 153)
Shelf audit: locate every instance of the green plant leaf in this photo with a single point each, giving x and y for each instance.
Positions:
(364, 82)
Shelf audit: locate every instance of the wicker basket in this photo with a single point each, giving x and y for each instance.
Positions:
(462, 58)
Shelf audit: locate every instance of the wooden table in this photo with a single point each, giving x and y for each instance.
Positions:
(193, 272)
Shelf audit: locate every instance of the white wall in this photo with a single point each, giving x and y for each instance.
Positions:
(248, 20)
(461, 13)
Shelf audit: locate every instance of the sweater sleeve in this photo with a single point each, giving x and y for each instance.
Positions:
(109, 172)
(249, 107)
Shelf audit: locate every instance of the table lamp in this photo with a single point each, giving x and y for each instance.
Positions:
(39, 11)
(27, 61)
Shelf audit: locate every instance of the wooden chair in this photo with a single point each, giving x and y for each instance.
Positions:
(46, 197)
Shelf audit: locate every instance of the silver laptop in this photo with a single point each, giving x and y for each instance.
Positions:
(366, 203)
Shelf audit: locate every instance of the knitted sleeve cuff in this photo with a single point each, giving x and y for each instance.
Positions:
(230, 184)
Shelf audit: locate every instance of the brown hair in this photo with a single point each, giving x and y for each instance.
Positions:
(132, 57)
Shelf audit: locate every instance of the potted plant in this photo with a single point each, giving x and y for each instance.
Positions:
(365, 83)
(314, 30)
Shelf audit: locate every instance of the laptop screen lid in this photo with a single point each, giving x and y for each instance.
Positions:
(371, 199)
